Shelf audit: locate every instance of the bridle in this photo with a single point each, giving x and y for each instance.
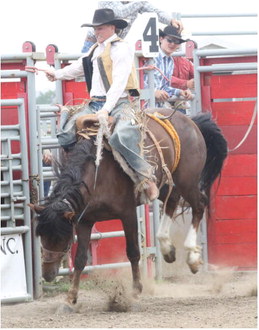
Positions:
(49, 256)
(53, 256)
(71, 207)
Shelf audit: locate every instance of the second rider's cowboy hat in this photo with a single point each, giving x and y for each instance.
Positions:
(106, 16)
(171, 31)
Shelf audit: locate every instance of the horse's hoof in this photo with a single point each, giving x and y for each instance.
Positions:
(71, 301)
(71, 298)
(65, 309)
(170, 257)
(194, 259)
(137, 289)
(135, 294)
(195, 266)
(194, 270)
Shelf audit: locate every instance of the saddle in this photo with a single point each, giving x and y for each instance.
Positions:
(87, 125)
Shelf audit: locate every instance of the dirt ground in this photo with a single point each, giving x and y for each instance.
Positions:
(222, 298)
(219, 299)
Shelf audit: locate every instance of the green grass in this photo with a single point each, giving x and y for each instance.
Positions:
(62, 284)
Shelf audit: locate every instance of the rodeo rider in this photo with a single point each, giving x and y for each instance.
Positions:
(111, 78)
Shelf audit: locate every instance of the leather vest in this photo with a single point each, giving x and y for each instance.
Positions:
(105, 67)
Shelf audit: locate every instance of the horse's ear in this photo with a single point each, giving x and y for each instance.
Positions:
(69, 215)
(37, 208)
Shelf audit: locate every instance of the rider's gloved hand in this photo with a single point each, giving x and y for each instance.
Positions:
(50, 75)
(102, 116)
(177, 24)
(186, 94)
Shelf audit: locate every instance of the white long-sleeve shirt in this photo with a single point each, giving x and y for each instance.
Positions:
(122, 56)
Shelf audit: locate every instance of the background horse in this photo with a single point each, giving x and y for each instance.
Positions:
(75, 202)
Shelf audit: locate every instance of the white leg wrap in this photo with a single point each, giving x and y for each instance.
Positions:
(191, 238)
(194, 255)
(163, 234)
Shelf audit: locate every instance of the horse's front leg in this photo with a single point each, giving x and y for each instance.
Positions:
(83, 230)
(73, 291)
(130, 226)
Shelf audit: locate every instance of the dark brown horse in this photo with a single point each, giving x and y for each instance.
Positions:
(75, 202)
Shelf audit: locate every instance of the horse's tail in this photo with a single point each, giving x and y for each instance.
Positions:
(216, 150)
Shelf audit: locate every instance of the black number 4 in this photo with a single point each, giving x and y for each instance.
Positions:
(152, 36)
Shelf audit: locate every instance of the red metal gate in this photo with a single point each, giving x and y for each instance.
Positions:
(232, 226)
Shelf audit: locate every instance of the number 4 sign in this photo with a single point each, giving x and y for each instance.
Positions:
(150, 36)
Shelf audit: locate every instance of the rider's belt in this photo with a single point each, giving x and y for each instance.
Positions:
(98, 98)
(103, 98)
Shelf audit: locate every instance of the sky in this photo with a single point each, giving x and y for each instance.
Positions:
(59, 22)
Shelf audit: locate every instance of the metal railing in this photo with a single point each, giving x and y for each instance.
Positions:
(228, 16)
(217, 68)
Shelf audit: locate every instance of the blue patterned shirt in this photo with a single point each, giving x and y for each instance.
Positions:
(166, 65)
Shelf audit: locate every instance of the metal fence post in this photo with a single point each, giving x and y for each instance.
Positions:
(197, 83)
(34, 171)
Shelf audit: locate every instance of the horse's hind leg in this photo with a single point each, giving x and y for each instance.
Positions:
(130, 226)
(83, 237)
(197, 202)
(163, 235)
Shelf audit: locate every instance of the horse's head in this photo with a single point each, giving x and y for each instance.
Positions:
(54, 226)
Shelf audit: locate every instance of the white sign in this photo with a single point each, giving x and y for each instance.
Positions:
(150, 35)
(13, 280)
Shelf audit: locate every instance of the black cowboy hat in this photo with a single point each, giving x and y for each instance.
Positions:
(106, 16)
(171, 31)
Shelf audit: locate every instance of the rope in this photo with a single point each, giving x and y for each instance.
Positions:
(164, 167)
(152, 67)
(167, 125)
(248, 130)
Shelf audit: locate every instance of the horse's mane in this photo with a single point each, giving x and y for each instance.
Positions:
(69, 173)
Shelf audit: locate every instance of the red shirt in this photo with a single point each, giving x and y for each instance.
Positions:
(183, 71)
